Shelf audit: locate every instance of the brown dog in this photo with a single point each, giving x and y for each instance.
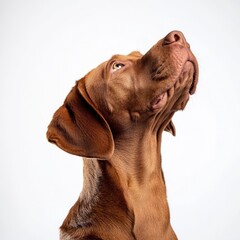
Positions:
(114, 117)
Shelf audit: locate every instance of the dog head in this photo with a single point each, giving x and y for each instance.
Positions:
(125, 92)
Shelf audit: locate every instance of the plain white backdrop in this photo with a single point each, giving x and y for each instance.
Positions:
(46, 45)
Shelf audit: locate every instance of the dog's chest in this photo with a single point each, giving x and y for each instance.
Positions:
(150, 210)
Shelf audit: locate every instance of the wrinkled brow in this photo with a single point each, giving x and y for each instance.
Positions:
(118, 57)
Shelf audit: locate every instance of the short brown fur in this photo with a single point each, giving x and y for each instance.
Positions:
(114, 118)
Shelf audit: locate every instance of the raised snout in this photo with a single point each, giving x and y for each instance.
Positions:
(177, 38)
(167, 60)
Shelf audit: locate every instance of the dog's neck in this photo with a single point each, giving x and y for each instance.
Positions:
(137, 158)
(132, 183)
(142, 181)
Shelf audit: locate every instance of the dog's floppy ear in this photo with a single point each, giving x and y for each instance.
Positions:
(79, 128)
(171, 128)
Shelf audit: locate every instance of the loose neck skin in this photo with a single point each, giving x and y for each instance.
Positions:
(136, 158)
(137, 162)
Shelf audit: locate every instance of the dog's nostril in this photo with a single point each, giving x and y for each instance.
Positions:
(176, 37)
(173, 37)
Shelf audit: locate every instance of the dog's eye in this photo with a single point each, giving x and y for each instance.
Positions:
(116, 66)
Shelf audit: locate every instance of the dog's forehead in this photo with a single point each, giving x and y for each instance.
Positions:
(130, 57)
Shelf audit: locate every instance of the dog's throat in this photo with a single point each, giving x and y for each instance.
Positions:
(142, 182)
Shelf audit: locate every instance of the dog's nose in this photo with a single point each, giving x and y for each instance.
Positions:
(174, 37)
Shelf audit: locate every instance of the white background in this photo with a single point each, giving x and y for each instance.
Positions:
(46, 45)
